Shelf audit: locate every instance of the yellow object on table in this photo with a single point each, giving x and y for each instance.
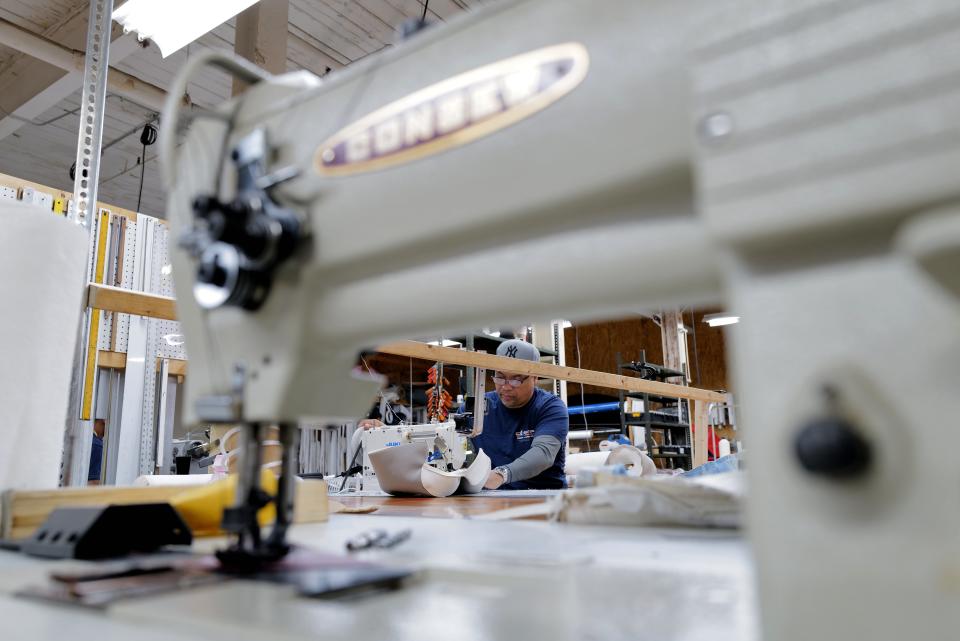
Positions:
(202, 507)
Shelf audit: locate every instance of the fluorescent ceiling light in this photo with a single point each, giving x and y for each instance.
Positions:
(719, 320)
(172, 24)
(445, 343)
(566, 324)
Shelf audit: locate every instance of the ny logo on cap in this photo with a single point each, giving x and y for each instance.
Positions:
(512, 351)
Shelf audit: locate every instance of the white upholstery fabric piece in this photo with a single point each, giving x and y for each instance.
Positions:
(469, 480)
(437, 483)
(476, 475)
(401, 470)
(42, 277)
(398, 468)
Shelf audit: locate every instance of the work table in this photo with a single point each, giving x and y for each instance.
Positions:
(476, 580)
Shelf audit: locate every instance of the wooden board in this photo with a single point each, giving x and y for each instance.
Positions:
(546, 370)
(24, 510)
(701, 432)
(118, 360)
(115, 299)
(445, 508)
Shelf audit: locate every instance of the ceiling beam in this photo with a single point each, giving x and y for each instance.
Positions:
(118, 82)
(261, 37)
(23, 77)
(47, 96)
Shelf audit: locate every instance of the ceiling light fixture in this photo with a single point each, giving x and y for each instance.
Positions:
(172, 24)
(719, 320)
(445, 343)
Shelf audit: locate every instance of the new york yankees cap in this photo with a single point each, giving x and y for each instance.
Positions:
(515, 348)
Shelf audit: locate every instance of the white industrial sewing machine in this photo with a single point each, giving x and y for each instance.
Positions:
(448, 448)
(797, 161)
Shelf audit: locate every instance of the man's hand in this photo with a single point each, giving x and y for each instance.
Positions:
(494, 480)
(367, 423)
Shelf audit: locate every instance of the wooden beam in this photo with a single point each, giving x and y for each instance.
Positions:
(118, 360)
(670, 321)
(261, 37)
(700, 419)
(52, 53)
(125, 301)
(44, 95)
(24, 510)
(111, 360)
(546, 370)
(178, 367)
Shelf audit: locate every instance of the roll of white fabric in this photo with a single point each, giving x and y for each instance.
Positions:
(724, 448)
(584, 459)
(42, 279)
(168, 480)
(632, 457)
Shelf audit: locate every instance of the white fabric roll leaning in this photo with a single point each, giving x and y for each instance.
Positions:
(576, 462)
(42, 273)
(168, 480)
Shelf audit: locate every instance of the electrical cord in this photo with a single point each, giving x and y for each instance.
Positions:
(395, 416)
(147, 137)
(583, 402)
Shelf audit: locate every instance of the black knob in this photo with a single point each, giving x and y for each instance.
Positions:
(212, 272)
(833, 447)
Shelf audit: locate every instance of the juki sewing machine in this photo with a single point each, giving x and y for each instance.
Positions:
(796, 162)
(447, 446)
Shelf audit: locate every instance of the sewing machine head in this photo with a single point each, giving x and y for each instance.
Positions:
(798, 188)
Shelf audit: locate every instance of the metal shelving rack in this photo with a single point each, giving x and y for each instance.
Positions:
(676, 449)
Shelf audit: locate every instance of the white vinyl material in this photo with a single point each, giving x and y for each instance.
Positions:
(38, 329)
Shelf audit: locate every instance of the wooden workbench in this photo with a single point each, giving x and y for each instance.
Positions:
(451, 507)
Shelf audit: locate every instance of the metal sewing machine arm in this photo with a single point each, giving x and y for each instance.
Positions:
(764, 151)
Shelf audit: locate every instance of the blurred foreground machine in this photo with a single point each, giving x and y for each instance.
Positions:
(796, 162)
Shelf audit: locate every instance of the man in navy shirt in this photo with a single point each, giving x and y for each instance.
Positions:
(96, 452)
(524, 428)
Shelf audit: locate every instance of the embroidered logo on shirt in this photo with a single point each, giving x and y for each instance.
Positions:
(524, 435)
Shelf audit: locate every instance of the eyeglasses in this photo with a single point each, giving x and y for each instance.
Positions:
(513, 382)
